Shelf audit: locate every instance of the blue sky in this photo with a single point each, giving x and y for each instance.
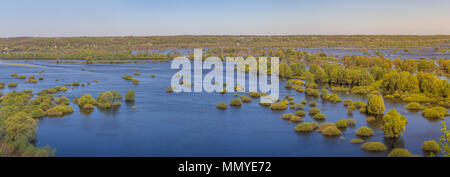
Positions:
(221, 17)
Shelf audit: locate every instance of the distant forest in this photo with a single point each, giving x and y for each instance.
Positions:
(123, 47)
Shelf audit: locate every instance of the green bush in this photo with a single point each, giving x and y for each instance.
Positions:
(136, 73)
(296, 119)
(287, 116)
(356, 141)
(348, 102)
(278, 106)
(331, 131)
(116, 104)
(313, 103)
(62, 100)
(370, 119)
(374, 147)
(359, 104)
(364, 131)
(31, 81)
(304, 127)
(341, 123)
(87, 106)
(394, 124)
(60, 110)
(300, 113)
(236, 102)
(221, 105)
(265, 104)
(399, 152)
(298, 106)
(254, 94)
(75, 84)
(303, 102)
(319, 116)
(12, 85)
(246, 99)
(431, 146)
(351, 122)
(314, 111)
(2, 85)
(37, 113)
(434, 113)
(129, 97)
(414, 106)
(324, 125)
(85, 99)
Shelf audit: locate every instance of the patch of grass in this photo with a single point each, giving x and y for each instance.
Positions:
(414, 106)
(434, 112)
(305, 127)
(246, 99)
(313, 103)
(296, 119)
(287, 116)
(314, 111)
(279, 106)
(300, 113)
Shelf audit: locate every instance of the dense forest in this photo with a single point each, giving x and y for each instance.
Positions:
(123, 47)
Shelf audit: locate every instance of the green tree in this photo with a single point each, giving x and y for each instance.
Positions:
(394, 124)
(21, 124)
(375, 105)
(445, 147)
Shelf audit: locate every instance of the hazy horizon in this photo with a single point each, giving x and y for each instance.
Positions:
(111, 18)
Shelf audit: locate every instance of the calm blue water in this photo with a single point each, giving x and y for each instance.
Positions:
(188, 124)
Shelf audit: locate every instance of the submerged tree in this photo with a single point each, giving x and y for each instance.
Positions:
(394, 124)
(375, 105)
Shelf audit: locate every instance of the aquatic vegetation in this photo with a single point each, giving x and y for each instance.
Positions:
(41, 78)
(105, 100)
(300, 113)
(38, 113)
(223, 91)
(356, 141)
(12, 85)
(434, 113)
(265, 104)
(169, 89)
(116, 104)
(153, 75)
(375, 105)
(414, 106)
(341, 123)
(279, 106)
(314, 111)
(88, 106)
(75, 84)
(59, 111)
(137, 74)
(135, 81)
(394, 124)
(127, 77)
(374, 147)
(360, 104)
(254, 94)
(129, 97)
(325, 125)
(287, 116)
(84, 100)
(348, 102)
(303, 102)
(313, 103)
(334, 98)
(21, 77)
(351, 108)
(62, 100)
(331, 131)
(312, 92)
(236, 102)
(298, 106)
(304, 127)
(2, 85)
(222, 105)
(351, 122)
(20, 124)
(364, 131)
(246, 99)
(399, 152)
(319, 116)
(296, 118)
(31, 81)
(431, 146)
(134, 107)
(116, 95)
